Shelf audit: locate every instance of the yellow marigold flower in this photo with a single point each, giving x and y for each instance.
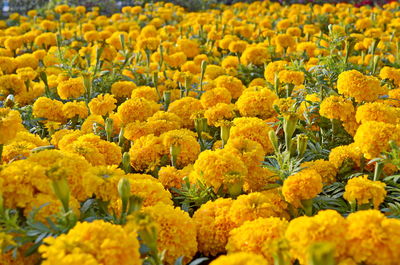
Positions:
(192, 67)
(391, 74)
(149, 189)
(394, 97)
(49, 109)
(146, 153)
(188, 145)
(214, 96)
(102, 181)
(91, 36)
(213, 71)
(362, 88)
(51, 206)
(301, 186)
(376, 111)
(215, 168)
(146, 92)
(46, 40)
(122, 89)
(371, 238)
(254, 129)
(254, 205)
(150, 43)
(291, 77)
(250, 152)
(72, 88)
(136, 109)
(232, 84)
(20, 147)
(11, 84)
(364, 191)
(307, 47)
(20, 181)
(184, 108)
(337, 107)
(176, 60)
(326, 226)
(136, 129)
(74, 167)
(284, 41)
(240, 258)
(273, 70)
(170, 177)
(163, 121)
(363, 23)
(12, 43)
(10, 124)
(258, 237)
(346, 156)
(237, 46)
(97, 242)
(256, 55)
(230, 62)
(110, 152)
(257, 102)
(27, 73)
(326, 169)
(75, 108)
(7, 64)
(373, 137)
(189, 47)
(213, 226)
(173, 221)
(102, 105)
(220, 111)
(91, 123)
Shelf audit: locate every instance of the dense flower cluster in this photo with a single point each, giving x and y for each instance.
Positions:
(252, 133)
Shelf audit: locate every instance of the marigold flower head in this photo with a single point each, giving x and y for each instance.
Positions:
(326, 169)
(376, 111)
(102, 105)
(257, 102)
(146, 92)
(75, 108)
(173, 221)
(371, 237)
(189, 47)
(254, 205)
(240, 258)
(220, 111)
(49, 109)
(326, 226)
(171, 177)
(363, 191)
(10, 124)
(303, 185)
(136, 109)
(291, 77)
(373, 137)
(214, 96)
(254, 129)
(273, 70)
(362, 88)
(257, 236)
(122, 89)
(214, 168)
(256, 55)
(231, 83)
(72, 88)
(146, 153)
(187, 142)
(184, 108)
(337, 107)
(346, 155)
(97, 242)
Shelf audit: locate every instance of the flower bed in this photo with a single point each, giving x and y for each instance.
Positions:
(247, 134)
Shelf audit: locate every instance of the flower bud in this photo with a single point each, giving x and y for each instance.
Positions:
(109, 128)
(167, 99)
(174, 151)
(302, 140)
(321, 253)
(59, 185)
(274, 140)
(126, 163)
(124, 191)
